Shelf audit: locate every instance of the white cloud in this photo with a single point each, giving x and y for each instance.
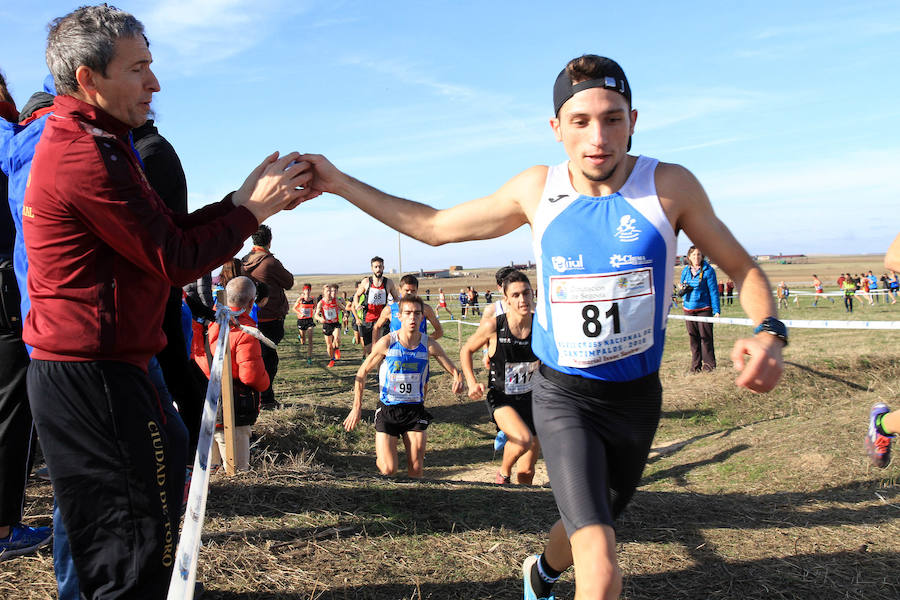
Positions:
(825, 180)
(411, 74)
(201, 32)
(672, 107)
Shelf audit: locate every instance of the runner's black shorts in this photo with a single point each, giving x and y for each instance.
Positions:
(328, 328)
(304, 324)
(365, 331)
(521, 403)
(595, 437)
(397, 419)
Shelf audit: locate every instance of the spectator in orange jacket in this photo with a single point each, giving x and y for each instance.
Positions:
(247, 371)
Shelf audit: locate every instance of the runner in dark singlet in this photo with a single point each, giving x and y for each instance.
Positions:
(512, 369)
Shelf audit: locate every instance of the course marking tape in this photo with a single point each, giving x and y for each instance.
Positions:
(184, 575)
(458, 321)
(797, 323)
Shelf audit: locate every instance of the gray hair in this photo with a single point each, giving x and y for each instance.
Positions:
(87, 36)
(240, 292)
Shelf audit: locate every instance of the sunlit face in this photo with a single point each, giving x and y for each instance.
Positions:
(519, 298)
(408, 289)
(328, 292)
(695, 257)
(410, 316)
(305, 292)
(127, 89)
(377, 268)
(594, 126)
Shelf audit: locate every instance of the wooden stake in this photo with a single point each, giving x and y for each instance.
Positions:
(228, 408)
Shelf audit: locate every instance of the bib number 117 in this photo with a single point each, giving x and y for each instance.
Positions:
(591, 314)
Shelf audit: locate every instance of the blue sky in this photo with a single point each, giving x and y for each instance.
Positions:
(787, 112)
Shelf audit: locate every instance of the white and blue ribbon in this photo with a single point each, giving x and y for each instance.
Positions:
(184, 575)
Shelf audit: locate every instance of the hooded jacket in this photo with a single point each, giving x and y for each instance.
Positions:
(262, 266)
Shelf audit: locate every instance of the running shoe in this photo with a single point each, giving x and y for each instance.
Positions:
(501, 479)
(878, 445)
(527, 568)
(330, 363)
(499, 441)
(23, 539)
(337, 354)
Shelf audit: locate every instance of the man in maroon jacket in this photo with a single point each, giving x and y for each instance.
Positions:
(262, 266)
(103, 251)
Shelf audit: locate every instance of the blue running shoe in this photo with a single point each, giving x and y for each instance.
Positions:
(878, 445)
(499, 442)
(23, 539)
(527, 568)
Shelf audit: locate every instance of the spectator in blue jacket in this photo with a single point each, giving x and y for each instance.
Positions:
(700, 292)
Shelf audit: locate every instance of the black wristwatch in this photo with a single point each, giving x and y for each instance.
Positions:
(774, 327)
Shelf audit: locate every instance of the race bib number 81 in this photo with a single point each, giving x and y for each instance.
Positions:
(602, 317)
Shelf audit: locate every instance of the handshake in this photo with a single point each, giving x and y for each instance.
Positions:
(283, 182)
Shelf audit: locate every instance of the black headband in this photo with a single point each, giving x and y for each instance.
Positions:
(612, 77)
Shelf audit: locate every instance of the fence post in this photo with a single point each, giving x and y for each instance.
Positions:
(228, 408)
(459, 330)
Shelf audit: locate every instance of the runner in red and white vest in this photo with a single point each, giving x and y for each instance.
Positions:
(304, 307)
(377, 289)
(327, 311)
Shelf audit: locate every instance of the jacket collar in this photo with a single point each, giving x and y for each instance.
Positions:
(71, 107)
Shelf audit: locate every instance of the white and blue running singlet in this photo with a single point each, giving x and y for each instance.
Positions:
(604, 268)
(395, 319)
(404, 372)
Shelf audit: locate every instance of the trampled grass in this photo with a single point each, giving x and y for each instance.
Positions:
(746, 495)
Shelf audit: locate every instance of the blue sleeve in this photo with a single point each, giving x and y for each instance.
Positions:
(713, 286)
(683, 273)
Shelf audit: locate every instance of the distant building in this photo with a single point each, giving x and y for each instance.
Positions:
(783, 259)
(444, 274)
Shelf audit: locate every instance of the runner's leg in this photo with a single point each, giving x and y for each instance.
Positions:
(386, 453)
(414, 441)
(518, 437)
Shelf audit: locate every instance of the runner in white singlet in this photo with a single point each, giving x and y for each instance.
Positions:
(604, 286)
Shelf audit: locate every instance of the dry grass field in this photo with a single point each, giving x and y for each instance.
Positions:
(746, 496)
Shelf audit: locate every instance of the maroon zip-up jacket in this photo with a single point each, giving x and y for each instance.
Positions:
(103, 249)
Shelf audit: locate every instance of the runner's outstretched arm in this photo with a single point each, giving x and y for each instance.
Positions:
(459, 223)
(379, 349)
(682, 195)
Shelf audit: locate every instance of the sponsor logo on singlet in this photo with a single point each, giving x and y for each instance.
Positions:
(567, 263)
(626, 231)
(619, 260)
